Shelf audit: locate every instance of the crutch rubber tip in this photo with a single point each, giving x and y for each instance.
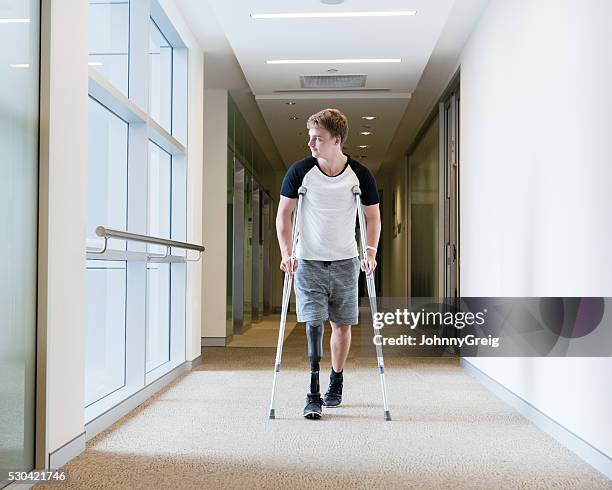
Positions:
(387, 415)
(272, 417)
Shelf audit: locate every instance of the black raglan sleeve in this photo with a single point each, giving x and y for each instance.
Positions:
(367, 183)
(294, 178)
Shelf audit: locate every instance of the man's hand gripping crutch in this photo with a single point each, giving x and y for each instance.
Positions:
(289, 266)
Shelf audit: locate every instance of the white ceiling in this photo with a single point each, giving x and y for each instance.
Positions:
(253, 41)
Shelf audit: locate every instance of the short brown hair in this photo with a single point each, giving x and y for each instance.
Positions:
(332, 120)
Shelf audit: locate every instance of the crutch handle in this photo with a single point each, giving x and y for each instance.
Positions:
(356, 190)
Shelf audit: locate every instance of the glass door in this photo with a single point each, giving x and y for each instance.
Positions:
(238, 249)
(19, 115)
(450, 110)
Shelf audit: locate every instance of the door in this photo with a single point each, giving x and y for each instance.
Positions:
(450, 128)
(266, 243)
(238, 249)
(255, 248)
(19, 118)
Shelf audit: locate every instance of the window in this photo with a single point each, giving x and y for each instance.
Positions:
(107, 188)
(105, 330)
(160, 164)
(137, 183)
(160, 77)
(109, 31)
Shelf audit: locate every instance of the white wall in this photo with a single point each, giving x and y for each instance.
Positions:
(536, 120)
(62, 205)
(215, 213)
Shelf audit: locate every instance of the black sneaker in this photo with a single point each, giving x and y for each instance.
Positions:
(333, 396)
(313, 408)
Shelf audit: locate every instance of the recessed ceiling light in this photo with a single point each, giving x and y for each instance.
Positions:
(336, 62)
(294, 118)
(95, 63)
(14, 21)
(368, 118)
(332, 2)
(19, 65)
(366, 133)
(319, 15)
(363, 146)
(290, 103)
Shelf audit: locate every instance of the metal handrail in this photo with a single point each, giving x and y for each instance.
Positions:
(107, 233)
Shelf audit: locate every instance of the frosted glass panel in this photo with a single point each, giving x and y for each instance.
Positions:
(19, 72)
(160, 89)
(158, 315)
(105, 329)
(107, 187)
(424, 189)
(109, 40)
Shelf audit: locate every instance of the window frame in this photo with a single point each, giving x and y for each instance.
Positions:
(142, 128)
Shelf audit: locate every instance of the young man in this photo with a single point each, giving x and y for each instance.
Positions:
(327, 265)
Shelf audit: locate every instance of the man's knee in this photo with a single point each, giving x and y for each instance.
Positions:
(340, 329)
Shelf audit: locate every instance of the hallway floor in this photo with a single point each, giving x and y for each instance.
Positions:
(209, 429)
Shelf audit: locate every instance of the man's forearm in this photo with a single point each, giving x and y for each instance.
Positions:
(283, 232)
(373, 233)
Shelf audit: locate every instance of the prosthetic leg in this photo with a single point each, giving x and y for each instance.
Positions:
(314, 335)
(372, 296)
(286, 295)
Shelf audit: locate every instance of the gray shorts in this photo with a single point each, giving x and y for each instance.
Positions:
(327, 291)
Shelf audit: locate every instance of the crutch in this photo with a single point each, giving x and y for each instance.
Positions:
(286, 295)
(372, 296)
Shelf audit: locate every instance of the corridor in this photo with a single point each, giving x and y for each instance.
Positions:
(209, 429)
(166, 163)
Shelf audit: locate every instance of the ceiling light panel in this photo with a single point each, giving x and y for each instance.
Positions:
(320, 15)
(356, 60)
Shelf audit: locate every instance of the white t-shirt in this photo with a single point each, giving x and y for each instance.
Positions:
(329, 208)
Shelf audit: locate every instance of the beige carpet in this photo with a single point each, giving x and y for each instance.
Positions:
(209, 429)
(263, 333)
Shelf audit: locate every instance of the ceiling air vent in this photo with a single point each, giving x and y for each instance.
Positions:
(332, 81)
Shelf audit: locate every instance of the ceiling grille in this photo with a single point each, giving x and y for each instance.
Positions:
(332, 81)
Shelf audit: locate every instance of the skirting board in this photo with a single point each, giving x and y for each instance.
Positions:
(215, 341)
(71, 449)
(591, 455)
(194, 363)
(120, 410)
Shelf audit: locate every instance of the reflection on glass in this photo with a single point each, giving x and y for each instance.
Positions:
(107, 178)
(105, 329)
(160, 70)
(19, 71)
(160, 179)
(158, 315)
(248, 238)
(109, 40)
(424, 188)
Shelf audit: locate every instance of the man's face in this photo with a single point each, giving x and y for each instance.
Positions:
(321, 143)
